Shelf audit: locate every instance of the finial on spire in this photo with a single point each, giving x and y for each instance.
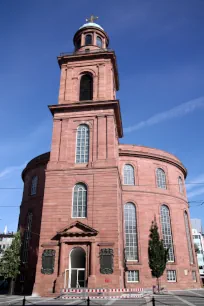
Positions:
(92, 18)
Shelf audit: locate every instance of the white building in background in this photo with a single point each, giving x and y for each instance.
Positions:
(197, 224)
(198, 239)
(5, 240)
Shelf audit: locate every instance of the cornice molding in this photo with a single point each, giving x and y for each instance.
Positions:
(153, 156)
(106, 104)
(65, 58)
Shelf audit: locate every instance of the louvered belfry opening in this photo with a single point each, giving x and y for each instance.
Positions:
(86, 87)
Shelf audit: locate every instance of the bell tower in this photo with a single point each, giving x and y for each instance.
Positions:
(88, 85)
(91, 57)
(82, 198)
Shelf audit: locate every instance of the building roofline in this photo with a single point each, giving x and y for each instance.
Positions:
(8, 235)
(169, 158)
(33, 163)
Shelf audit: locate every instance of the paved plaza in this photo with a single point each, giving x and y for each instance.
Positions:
(172, 298)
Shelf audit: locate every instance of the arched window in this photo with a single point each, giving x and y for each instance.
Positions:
(131, 245)
(27, 237)
(88, 39)
(128, 173)
(34, 184)
(180, 183)
(188, 236)
(78, 43)
(99, 42)
(82, 144)
(79, 201)
(161, 178)
(166, 231)
(86, 87)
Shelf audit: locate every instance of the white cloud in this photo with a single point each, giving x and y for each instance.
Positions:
(195, 182)
(178, 111)
(196, 192)
(9, 170)
(195, 186)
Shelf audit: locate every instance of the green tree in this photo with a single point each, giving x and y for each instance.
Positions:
(10, 261)
(158, 254)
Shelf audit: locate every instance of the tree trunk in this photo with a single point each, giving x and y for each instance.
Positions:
(158, 287)
(11, 286)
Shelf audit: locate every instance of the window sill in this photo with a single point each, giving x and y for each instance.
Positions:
(171, 281)
(79, 217)
(171, 263)
(132, 282)
(81, 164)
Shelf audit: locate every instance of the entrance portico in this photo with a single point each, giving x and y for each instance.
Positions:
(77, 256)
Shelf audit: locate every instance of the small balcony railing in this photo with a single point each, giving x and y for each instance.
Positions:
(86, 51)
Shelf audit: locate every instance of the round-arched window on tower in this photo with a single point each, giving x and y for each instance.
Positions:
(79, 208)
(88, 39)
(78, 43)
(86, 87)
(99, 42)
(82, 144)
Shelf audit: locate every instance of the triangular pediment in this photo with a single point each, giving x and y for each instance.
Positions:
(77, 228)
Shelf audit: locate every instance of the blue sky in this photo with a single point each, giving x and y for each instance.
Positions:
(159, 46)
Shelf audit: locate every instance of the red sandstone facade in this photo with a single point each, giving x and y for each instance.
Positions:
(54, 226)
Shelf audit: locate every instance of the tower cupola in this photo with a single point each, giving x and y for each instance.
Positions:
(90, 36)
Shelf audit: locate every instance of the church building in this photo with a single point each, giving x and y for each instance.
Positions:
(88, 204)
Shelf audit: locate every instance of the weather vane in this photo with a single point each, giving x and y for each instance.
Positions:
(92, 18)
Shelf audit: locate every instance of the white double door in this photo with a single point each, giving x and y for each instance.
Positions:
(75, 278)
(75, 275)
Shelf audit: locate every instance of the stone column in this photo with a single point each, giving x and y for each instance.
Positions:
(62, 258)
(93, 258)
(56, 138)
(102, 137)
(92, 277)
(111, 138)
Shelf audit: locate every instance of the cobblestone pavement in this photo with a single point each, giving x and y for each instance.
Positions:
(172, 298)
